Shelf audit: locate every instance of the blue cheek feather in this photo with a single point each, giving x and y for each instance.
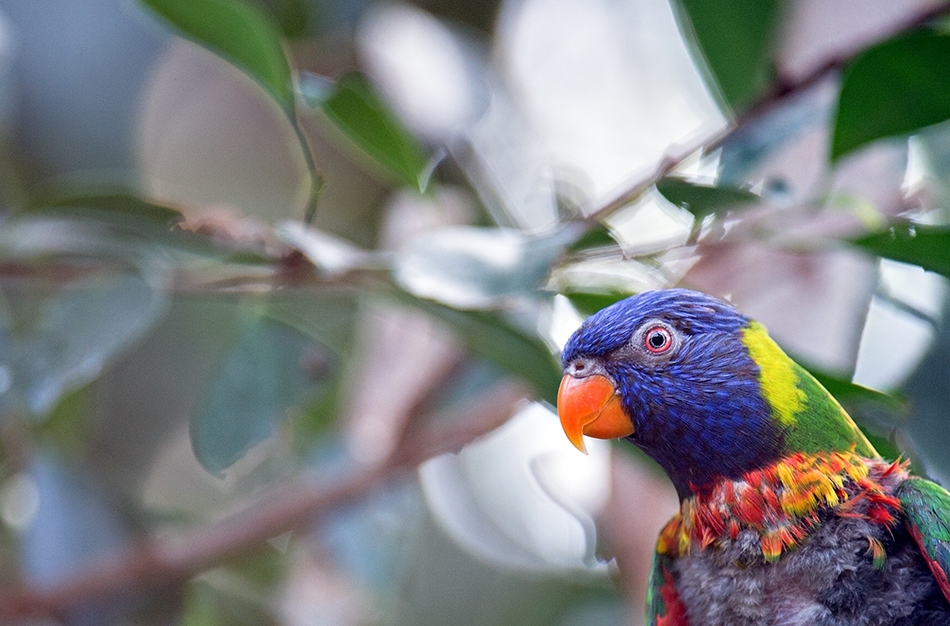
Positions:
(701, 415)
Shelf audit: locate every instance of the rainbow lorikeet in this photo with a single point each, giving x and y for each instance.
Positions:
(787, 513)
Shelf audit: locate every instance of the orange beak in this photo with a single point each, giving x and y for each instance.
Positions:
(591, 406)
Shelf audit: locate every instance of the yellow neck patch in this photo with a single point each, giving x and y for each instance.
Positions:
(776, 374)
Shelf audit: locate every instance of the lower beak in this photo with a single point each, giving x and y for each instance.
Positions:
(591, 406)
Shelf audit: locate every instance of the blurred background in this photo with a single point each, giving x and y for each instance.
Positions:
(283, 284)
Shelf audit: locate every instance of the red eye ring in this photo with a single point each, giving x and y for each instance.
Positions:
(658, 339)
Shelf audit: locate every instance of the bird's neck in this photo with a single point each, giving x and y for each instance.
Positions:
(782, 503)
(810, 418)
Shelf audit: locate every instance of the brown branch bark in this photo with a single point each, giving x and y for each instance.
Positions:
(155, 563)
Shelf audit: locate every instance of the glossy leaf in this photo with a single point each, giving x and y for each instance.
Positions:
(263, 374)
(734, 39)
(703, 200)
(241, 33)
(356, 110)
(917, 244)
(895, 88)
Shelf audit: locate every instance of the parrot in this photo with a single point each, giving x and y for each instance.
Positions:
(787, 515)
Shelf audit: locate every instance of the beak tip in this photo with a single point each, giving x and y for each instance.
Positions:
(578, 442)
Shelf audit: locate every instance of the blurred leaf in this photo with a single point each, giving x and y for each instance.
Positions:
(118, 202)
(328, 319)
(734, 38)
(68, 523)
(314, 88)
(131, 214)
(589, 302)
(294, 17)
(488, 335)
(241, 33)
(330, 254)
(265, 372)
(703, 200)
(79, 330)
(69, 425)
(936, 142)
(917, 244)
(598, 236)
(752, 143)
(210, 605)
(474, 268)
(888, 449)
(894, 88)
(849, 393)
(356, 110)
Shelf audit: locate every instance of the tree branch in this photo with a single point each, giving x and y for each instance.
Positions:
(781, 90)
(156, 563)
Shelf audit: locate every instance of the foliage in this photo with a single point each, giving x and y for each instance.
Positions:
(306, 371)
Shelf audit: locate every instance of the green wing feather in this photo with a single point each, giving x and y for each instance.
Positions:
(663, 604)
(926, 507)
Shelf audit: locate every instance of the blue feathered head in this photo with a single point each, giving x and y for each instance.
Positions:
(696, 385)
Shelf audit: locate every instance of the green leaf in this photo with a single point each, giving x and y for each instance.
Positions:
(703, 200)
(887, 448)
(894, 88)
(356, 110)
(488, 335)
(597, 236)
(233, 601)
(849, 393)
(734, 38)
(263, 374)
(78, 331)
(115, 202)
(239, 32)
(589, 302)
(917, 244)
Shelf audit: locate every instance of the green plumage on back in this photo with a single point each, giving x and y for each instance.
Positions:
(788, 515)
(926, 508)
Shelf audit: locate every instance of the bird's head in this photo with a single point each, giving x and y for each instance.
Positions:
(696, 385)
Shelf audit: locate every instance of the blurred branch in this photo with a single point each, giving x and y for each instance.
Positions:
(157, 563)
(782, 89)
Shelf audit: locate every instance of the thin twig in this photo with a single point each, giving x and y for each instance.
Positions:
(317, 181)
(157, 563)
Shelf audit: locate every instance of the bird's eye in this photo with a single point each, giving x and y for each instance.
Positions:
(658, 339)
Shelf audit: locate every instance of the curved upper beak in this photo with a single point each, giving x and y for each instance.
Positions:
(591, 406)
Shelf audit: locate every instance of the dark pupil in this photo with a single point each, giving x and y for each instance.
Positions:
(657, 340)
